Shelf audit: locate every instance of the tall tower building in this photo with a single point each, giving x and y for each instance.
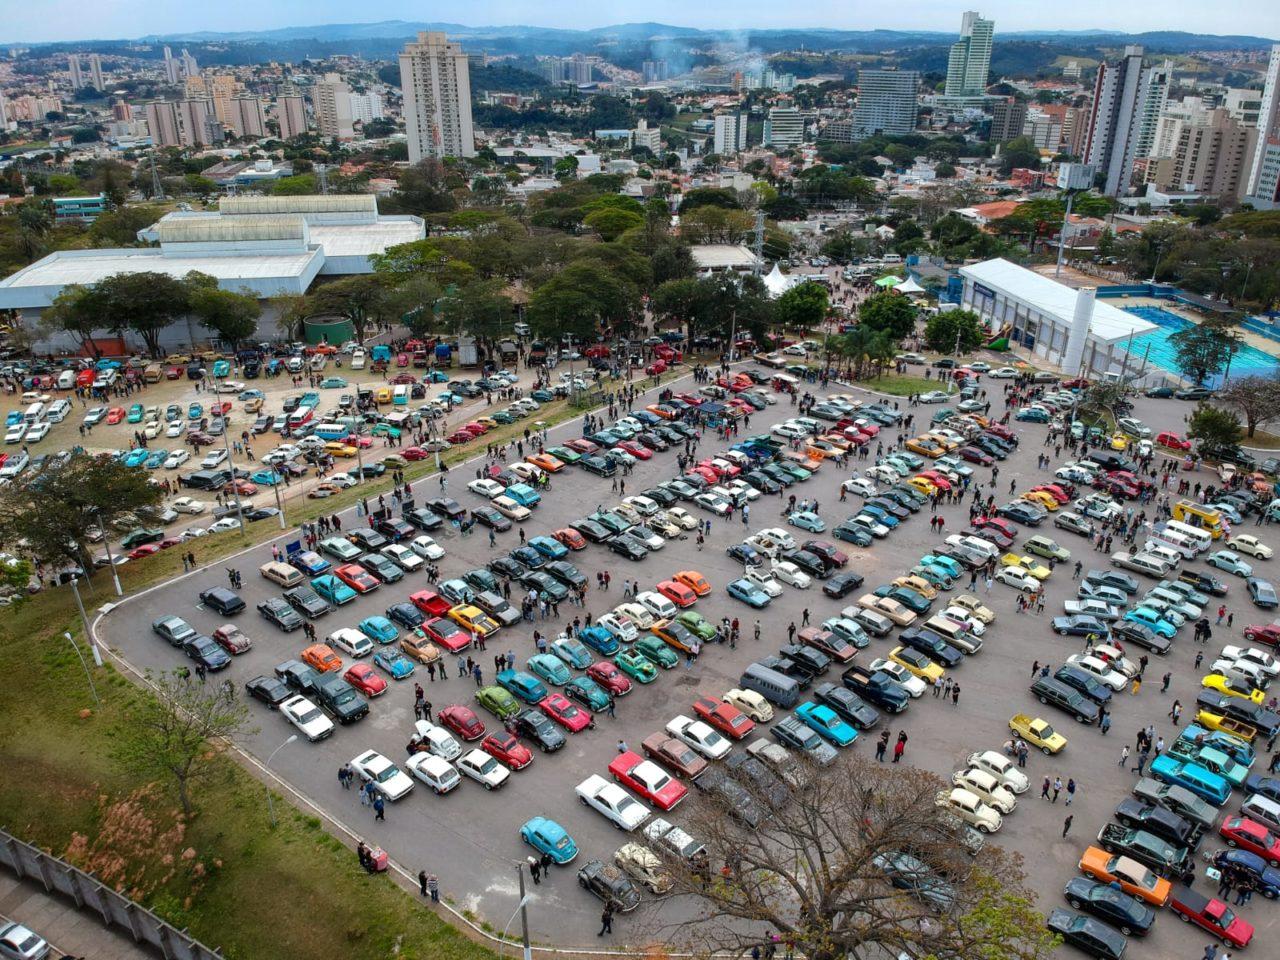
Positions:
(222, 88)
(164, 124)
(1008, 117)
(332, 100)
(189, 66)
(366, 107)
(247, 117)
(969, 62)
(1268, 126)
(730, 134)
(1154, 100)
(886, 102)
(437, 98)
(120, 110)
(291, 113)
(95, 72)
(783, 127)
(77, 74)
(1118, 125)
(200, 124)
(171, 68)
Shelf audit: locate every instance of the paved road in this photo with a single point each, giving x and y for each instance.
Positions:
(71, 932)
(470, 838)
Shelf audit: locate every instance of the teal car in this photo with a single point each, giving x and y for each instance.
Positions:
(1211, 759)
(600, 639)
(437, 376)
(697, 624)
(542, 396)
(1205, 784)
(1031, 415)
(336, 383)
(498, 701)
(195, 411)
(385, 430)
(503, 417)
(946, 563)
(394, 663)
(523, 685)
(157, 459)
(572, 652)
(547, 836)
(550, 668)
(136, 457)
(379, 629)
(587, 692)
(135, 413)
(636, 667)
(826, 723)
(794, 471)
(333, 589)
(265, 478)
(807, 520)
(221, 368)
(935, 575)
(1234, 747)
(1146, 617)
(549, 547)
(656, 652)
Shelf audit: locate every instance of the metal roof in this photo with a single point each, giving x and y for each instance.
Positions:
(231, 228)
(310, 203)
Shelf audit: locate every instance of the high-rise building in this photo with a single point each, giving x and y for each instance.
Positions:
(291, 114)
(200, 124)
(436, 81)
(654, 71)
(730, 135)
(171, 67)
(4, 112)
(578, 68)
(222, 88)
(1072, 70)
(1265, 194)
(553, 69)
(121, 111)
(1007, 120)
(1156, 82)
(646, 136)
(969, 62)
(331, 98)
(1210, 158)
(189, 66)
(1268, 121)
(886, 102)
(95, 72)
(784, 127)
(248, 119)
(163, 123)
(1243, 104)
(366, 107)
(77, 73)
(1122, 121)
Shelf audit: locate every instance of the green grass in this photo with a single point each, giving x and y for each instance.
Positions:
(901, 386)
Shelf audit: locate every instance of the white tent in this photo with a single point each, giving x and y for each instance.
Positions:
(777, 283)
(908, 286)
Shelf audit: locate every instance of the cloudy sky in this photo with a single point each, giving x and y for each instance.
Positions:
(111, 19)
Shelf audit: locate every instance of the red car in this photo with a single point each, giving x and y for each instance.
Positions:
(1172, 441)
(1211, 914)
(706, 473)
(571, 538)
(677, 593)
(974, 455)
(365, 679)
(991, 533)
(115, 415)
(828, 551)
(220, 409)
(232, 639)
(1001, 431)
(168, 542)
(715, 471)
(414, 453)
(655, 368)
(447, 634)
(648, 780)
(610, 677)
(855, 436)
(1053, 490)
(476, 427)
(726, 718)
(559, 708)
(430, 602)
(691, 398)
(242, 487)
(1267, 634)
(584, 447)
(507, 750)
(937, 479)
(1000, 523)
(172, 373)
(356, 577)
(1252, 836)
(462, 721)
(637, 450)
(146, 550)
(459, 436)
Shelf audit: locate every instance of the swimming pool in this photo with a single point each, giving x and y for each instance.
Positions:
(1155, 348)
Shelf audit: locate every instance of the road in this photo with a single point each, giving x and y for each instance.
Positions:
(470, 839)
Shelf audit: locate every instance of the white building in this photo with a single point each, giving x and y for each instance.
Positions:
(1127, 103)
(730, 134)
(332, 99)
(1268, 122)
(645, 136)
(886, 102)
(969, 61)
(784, 127)
(366, 107)
(436, 80)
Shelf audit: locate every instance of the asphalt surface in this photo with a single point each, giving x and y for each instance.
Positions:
(470, 838)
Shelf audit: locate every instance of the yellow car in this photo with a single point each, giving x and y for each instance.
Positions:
(975, 606)
(924, 485)
(944, 442)
(919, 584)
(473, 619)
(488, 422)
(338, 449)
(1030, 564)
(1037, 732)
(1119, 441)
(1042, 499)
(1232, 688)
(839, 442)
(917, 664)
(253, 405)
(382, 395)
(1236, 728)
(926, 448)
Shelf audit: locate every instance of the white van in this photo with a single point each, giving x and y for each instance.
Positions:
(57, 411)
(1263, 810)
(1175, 541)
(66, 380)
(34, 412)
(1169, 554)
(357, 358)
(1201, 538)
(657, 604)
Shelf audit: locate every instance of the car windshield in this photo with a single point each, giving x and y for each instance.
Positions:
(309, 715)
(390, 771)
(488, 766)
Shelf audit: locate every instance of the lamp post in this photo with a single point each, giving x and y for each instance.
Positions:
(93, 647)
(87, 675)
(524, 918)
(111, 561)
(271, 810)
(275, 488)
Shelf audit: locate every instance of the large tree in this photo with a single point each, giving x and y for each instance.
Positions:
(144, 302)
(232, 316)
(362, 299)
(1258, 398)
(802, 308)
(1217, 430)
(582, 300)
(891, 313)
(1204, 349)
(947, 329)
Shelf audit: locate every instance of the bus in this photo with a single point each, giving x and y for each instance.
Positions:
(300, 417)
(1199, 516)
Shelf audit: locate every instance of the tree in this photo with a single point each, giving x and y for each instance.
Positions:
(1217, 430)
(816, 875)
(74, 311)
(35, 220)
(566, 168)
(862, 350)
(233, 316)
(611, 222)
(891, 313)
(361, 298)
(1204, 349)
(708, 197)
(300, 185)
(802, 308)
(290, 310)
(144, 302)
(172, 736)
(580, 300)
(947, 328)
(715, 224)
(1258, 398)
(482, 309)
(1019, 152)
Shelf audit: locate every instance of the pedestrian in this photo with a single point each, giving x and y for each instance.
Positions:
(1057, 788)
(1044, 788)
(379, 808)
(622, 746)
(606, 919)
(433, 887)
(422, 881)
(1164, 682)
(1124, 756)
(535, 870)
(1066, 824)
(883, 743)
(1071, 790)
(900, 747)
(955, 695)
(1137, 685)
(1175, 711)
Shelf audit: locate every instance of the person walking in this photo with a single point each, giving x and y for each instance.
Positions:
(1057, 789)
(1044, 789)
(1124, 756)
(379, 808)
(1066, 825)
(606, 919)
(955, 695)
(1071, 790)
(422, 882)
(535, 870)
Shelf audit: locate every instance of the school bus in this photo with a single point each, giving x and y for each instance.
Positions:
(1199, 516)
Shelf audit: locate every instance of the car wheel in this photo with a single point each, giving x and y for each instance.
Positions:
(1046, 751)
(1230, 842)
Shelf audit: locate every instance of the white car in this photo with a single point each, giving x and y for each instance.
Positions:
(779, 536)
(1074, 474)
(648, 537)
(224, 525)
(37, 432)
(307, 717)
(1000, 766)
(637, 614)
(620, 626)
(740, 488)
(642, 505)
(510, 509)
(18, 942)
(882, 473)
(763, 543)
(176, 428)
(425, 546)
(1100, 670)
(16, 432)
(176, 459)
(788, 572)
(487, 488)
(862, 486)
(1019, 578)
(1260, 660)
(483, 769)
(350, 641)
(1093, 608)
(526, 471)
(751, 703)
(966, 619)
(790, 431)
(877, 530)
(440, 742)
(189, 505)
(969, 808)
(913, 684)
(658, 605)
(436, 772)
(714, 503)
(404, 558)
(682, 518)
(1245, 543)
(612, 802)
(990, 789)
(388, 779)
(699, 736)
(764, 580)
(1003, 373)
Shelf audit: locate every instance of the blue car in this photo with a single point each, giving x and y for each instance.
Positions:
(547, 836)
(883, 517)
(13, 419)
(946, 563)
(549, 547)
(1266, 879)
(1152, 621)
(600, 639)
(527, 555)
(221, 368)
(136, 458)
(195, 411)
(393, 662)
(572, 652)
(156, 459)
(826, 723)
(333, 589)
(379, 629)
(550, 668)
(522, 685)
(266, 478)
(437, 376)
(807, 520)
(309, 562)
(748, 593)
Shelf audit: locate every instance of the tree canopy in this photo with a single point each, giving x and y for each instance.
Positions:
(1204, 349)
(948, 328)
(890, 313)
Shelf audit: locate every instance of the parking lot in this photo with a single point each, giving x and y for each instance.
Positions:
(470, 838)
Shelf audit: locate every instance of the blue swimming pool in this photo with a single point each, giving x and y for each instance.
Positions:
(1154, 347)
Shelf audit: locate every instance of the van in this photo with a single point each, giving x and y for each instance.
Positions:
(330, 431)
(300, 417)
(1262, 809)
(891, 258)
(281, 573)
(34, 412)
(66, 379)
(57, 411)
(402, 420)
(1169, 554)
(954, 633)
(152, 373)
(1186, 548)
(1198, 515)
(777, 688)
(1204, 784)
(1141, 563)
(1201, 538)
(400, 395)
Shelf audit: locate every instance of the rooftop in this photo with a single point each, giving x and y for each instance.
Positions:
(722, 256)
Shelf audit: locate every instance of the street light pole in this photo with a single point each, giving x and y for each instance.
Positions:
(226, 442)
(524, 916)
(275, 488)
(111, 561)
(93, 647)
(271, 810)
(87, 675)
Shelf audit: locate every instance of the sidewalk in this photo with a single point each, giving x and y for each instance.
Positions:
(71, 932)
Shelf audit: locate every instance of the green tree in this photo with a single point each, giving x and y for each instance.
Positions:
(482, 308)
(232, 316)
(611, 223)
(74, 311)
(119, 227)
(15, 577)
(361, 298)
(290, 309)
(891, 313)
(582, 300)
(709, 197)
(947, 328)
(1204, 349)
(566, 168)
(802, 308)
(145, 303)
(299, 185)
(1217, 430)
(1019, 152)
(35, 220)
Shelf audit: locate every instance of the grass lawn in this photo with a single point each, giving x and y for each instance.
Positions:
(901, 385)
(1261, 440)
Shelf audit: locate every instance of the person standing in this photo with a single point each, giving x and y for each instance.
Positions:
(883, 744)
(1066, 824)
(606, 919)
(900, 747)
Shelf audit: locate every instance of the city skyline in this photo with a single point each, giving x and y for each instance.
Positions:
(78, 20)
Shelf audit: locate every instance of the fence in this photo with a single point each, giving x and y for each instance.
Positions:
(88, 894)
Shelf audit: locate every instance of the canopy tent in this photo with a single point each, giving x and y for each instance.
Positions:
(777, 283)
(886, 282)
(908, 286)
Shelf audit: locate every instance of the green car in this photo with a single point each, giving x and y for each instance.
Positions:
(697, 624)
(636, 667)
(1047, 548)
(654, 650)
(795, 471)
(135, 413)
(503, 417)
(333, 383)
(498, 702)
(935, 575)
(587, 692)
(564, 454)
(385, 430)
(549, 667)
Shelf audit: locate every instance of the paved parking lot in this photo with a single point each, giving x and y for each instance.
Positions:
(470, 838)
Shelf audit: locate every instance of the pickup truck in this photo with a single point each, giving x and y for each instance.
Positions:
(792, 732)
(1149, 850)
(878, 688)
(1037, 732)
(339, 698)
(431, 603)
(1216, 721)
(1211, 914)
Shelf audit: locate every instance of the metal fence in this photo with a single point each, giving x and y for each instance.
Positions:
(87, 893)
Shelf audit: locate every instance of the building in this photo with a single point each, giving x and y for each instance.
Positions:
(436, 80)
(784, 127)
(291, 114)
(886, 102)
(1268, 122)
(1210, 158)
(1266, 189)
(95, 72)
(121, 111)
(33, 109)
(1155, 98)
(4, 112)
(172, 70)
(969, 62)
(654, 71)
(189, 66)
(1008, 117)
(1072, 70)
(1243, 104)
(331, 98)
(578, 68)
(1124, 117)
(81, 209)
(163, 123)
(366, 107)
(77, 73)
(837, 131)
(200, 124)
(248, 118)
(730, 135)
(645, 136)
(553, 69)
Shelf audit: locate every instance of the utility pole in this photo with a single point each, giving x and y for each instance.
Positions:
(524, 915)
(226, 442)
(1062, 234)
(93, 646)
(759, 242)
(111, 561)
(87, 675)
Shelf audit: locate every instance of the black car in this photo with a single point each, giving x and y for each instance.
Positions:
(393, 529)
(777, 474)
(367, 539)
(653, 441)
(592, 531)
(508, 567)
(535, 727)
(842, 584)
(1128, 914)
(762, 482)
(307, 602)
(785, 665)
(814, 661)
(1141, 636)
(891, 507)
(224, 601)
(1238, 708)
(269, 690)
(489, 517)
(340, 699)
(1086, 683)
(1114, 579)
(758, 778)
(280, 613)
(1156, 820)
(745, 555)
(546, 585)
(903, 498)
(422, 518)
(1058, 694)
(1159, 393)
(206, 652)
(661, 496)
(629, 547)
(1087, 934)
(847, 704)
(902, 490)
(1203, 581)
(447, 507)
(566, 573)
(406, 615)
(382, 567)
(609, 884)
(372, 470)
(173, 629)
(297, 676)
(732, 795)
(930, 643)
(810, 563)
(479, 579)
(599, 466)
(261, 513)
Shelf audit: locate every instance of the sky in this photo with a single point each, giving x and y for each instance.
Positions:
(52, 20)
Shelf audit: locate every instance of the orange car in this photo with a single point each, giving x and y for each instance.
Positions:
(677, 593)
(666, 413)
(321, 658)
(694, 581)
(571, 538)
(1132, 876)
(840, 443)
(546, 461)
(416, 646)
